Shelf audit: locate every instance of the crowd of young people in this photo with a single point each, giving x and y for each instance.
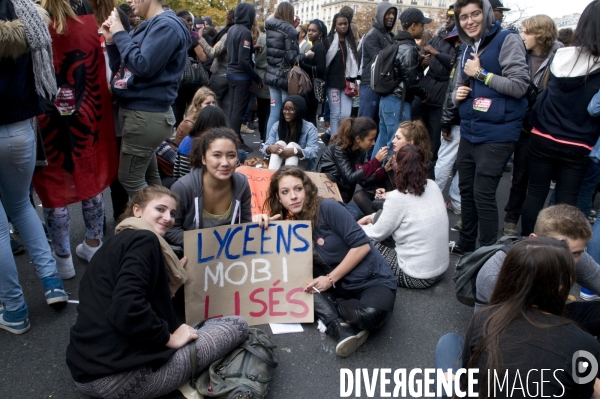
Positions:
(473, 95)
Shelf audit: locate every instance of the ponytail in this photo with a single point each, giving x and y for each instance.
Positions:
(351, 128)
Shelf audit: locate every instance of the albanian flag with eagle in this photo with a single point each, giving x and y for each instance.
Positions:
(77, 126)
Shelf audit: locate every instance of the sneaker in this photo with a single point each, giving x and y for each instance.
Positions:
(54, 290)
(246, 129)
(16, 246)
(349, 339)
(456, 250)
(587, 295)
(593, 213)
(510, 229)
(591, 219)
(251, 126)
(64, 266)
(246, 148)
(16, 322)
(457, 226)
(453, 208)
(552, 185)
(85, 252)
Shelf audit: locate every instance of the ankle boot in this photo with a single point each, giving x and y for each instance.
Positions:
(349, 339)
(325, 310)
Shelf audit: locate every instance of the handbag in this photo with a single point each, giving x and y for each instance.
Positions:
(194, 74)
(318, 86)
(246, 372)
(298, 81)
(351, 89)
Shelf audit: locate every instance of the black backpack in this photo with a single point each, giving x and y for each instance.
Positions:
(468, 266)
(383, 78)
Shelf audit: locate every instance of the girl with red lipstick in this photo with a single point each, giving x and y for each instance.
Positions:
(355, 285)
(126, 341)
(213, 193)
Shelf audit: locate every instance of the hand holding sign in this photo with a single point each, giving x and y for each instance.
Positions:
(263, 220)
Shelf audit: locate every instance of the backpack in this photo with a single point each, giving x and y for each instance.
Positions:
(383, 78)
(468, 266)
(244, 373)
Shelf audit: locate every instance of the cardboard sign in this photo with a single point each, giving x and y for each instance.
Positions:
(247, 271)
(259, 180)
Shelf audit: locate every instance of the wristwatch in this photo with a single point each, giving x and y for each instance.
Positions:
(481, 75)
(295, 151)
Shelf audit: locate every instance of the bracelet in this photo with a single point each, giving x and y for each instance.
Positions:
(108, 43)
(488, 79)
(331, 280)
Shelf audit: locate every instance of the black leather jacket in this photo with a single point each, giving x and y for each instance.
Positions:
(282, 51)
(407, 65)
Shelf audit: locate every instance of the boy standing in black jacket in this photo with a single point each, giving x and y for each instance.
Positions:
(240, 66)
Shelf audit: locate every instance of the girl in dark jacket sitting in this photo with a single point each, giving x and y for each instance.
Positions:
(342, 66)
(355, 286)
(282, 54)
(313, 63)
(344, 160)
(126, 341)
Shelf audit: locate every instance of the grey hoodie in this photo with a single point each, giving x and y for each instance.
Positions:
(376, 39)
(515, 70)
(189, 214)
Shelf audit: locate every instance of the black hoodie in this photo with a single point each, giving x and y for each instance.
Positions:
(239, 45)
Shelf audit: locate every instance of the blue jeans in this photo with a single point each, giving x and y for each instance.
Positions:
(369, 103)
(17, 161)
(389, 120)
(278, 96)
(593, 247)
(340, 107)
(448, 354)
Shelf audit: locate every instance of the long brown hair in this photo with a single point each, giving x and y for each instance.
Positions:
(285, 12)
(59, 10)
(411, 172)
(416, 132)
(536, 277)
(351, 128)
(312, 201)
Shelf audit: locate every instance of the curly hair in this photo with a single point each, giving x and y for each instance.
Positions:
(312, 201)
(544, 29)
(416, 133)
(411, 173)
(351, 128)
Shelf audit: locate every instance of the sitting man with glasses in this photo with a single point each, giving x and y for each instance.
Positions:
(490, 96)
(292, 140)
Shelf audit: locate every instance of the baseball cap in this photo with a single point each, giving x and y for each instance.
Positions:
(497, 5)
(450, 10)
(413, 16)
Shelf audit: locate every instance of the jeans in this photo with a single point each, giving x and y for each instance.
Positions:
(278, 96)
(369, 103)
(389, 120)
(447, 158)
(240, 96)
(17, 161)
(480, 167)
(263, 110)
(588, 188)
(142, 134)
(248, 114)
(548, 159)
(520, 178)
(340, 107)
(448, 354)
(593, 247)
(220, 85)
(454, 192)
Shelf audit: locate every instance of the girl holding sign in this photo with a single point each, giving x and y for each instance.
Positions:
(126, 341)
(356, 287)
(213, 193)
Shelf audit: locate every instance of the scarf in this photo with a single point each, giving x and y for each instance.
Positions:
(40, 44)
(351, 65)
(175, 271)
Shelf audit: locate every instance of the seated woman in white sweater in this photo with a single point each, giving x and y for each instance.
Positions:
(415, 216)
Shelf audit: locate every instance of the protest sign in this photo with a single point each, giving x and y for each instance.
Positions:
(259, 180)
(247, 271)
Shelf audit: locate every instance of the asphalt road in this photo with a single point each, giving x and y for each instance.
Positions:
(33, 364)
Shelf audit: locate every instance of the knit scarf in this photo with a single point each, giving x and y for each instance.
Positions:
(351, 65)
(40, 44)
(175, 271)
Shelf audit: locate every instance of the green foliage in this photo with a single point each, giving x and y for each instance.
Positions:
(216, 9)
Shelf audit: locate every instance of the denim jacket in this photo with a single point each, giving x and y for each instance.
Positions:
(594, 110)
(308, 142)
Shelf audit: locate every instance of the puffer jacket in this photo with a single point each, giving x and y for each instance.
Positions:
(407, 65)
(376, 39)
(347, 168)
(282, 52)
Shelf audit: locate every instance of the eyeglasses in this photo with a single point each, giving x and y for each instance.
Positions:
(289, 110)
(475, 14)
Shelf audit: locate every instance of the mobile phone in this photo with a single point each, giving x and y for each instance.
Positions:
(199, 26)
